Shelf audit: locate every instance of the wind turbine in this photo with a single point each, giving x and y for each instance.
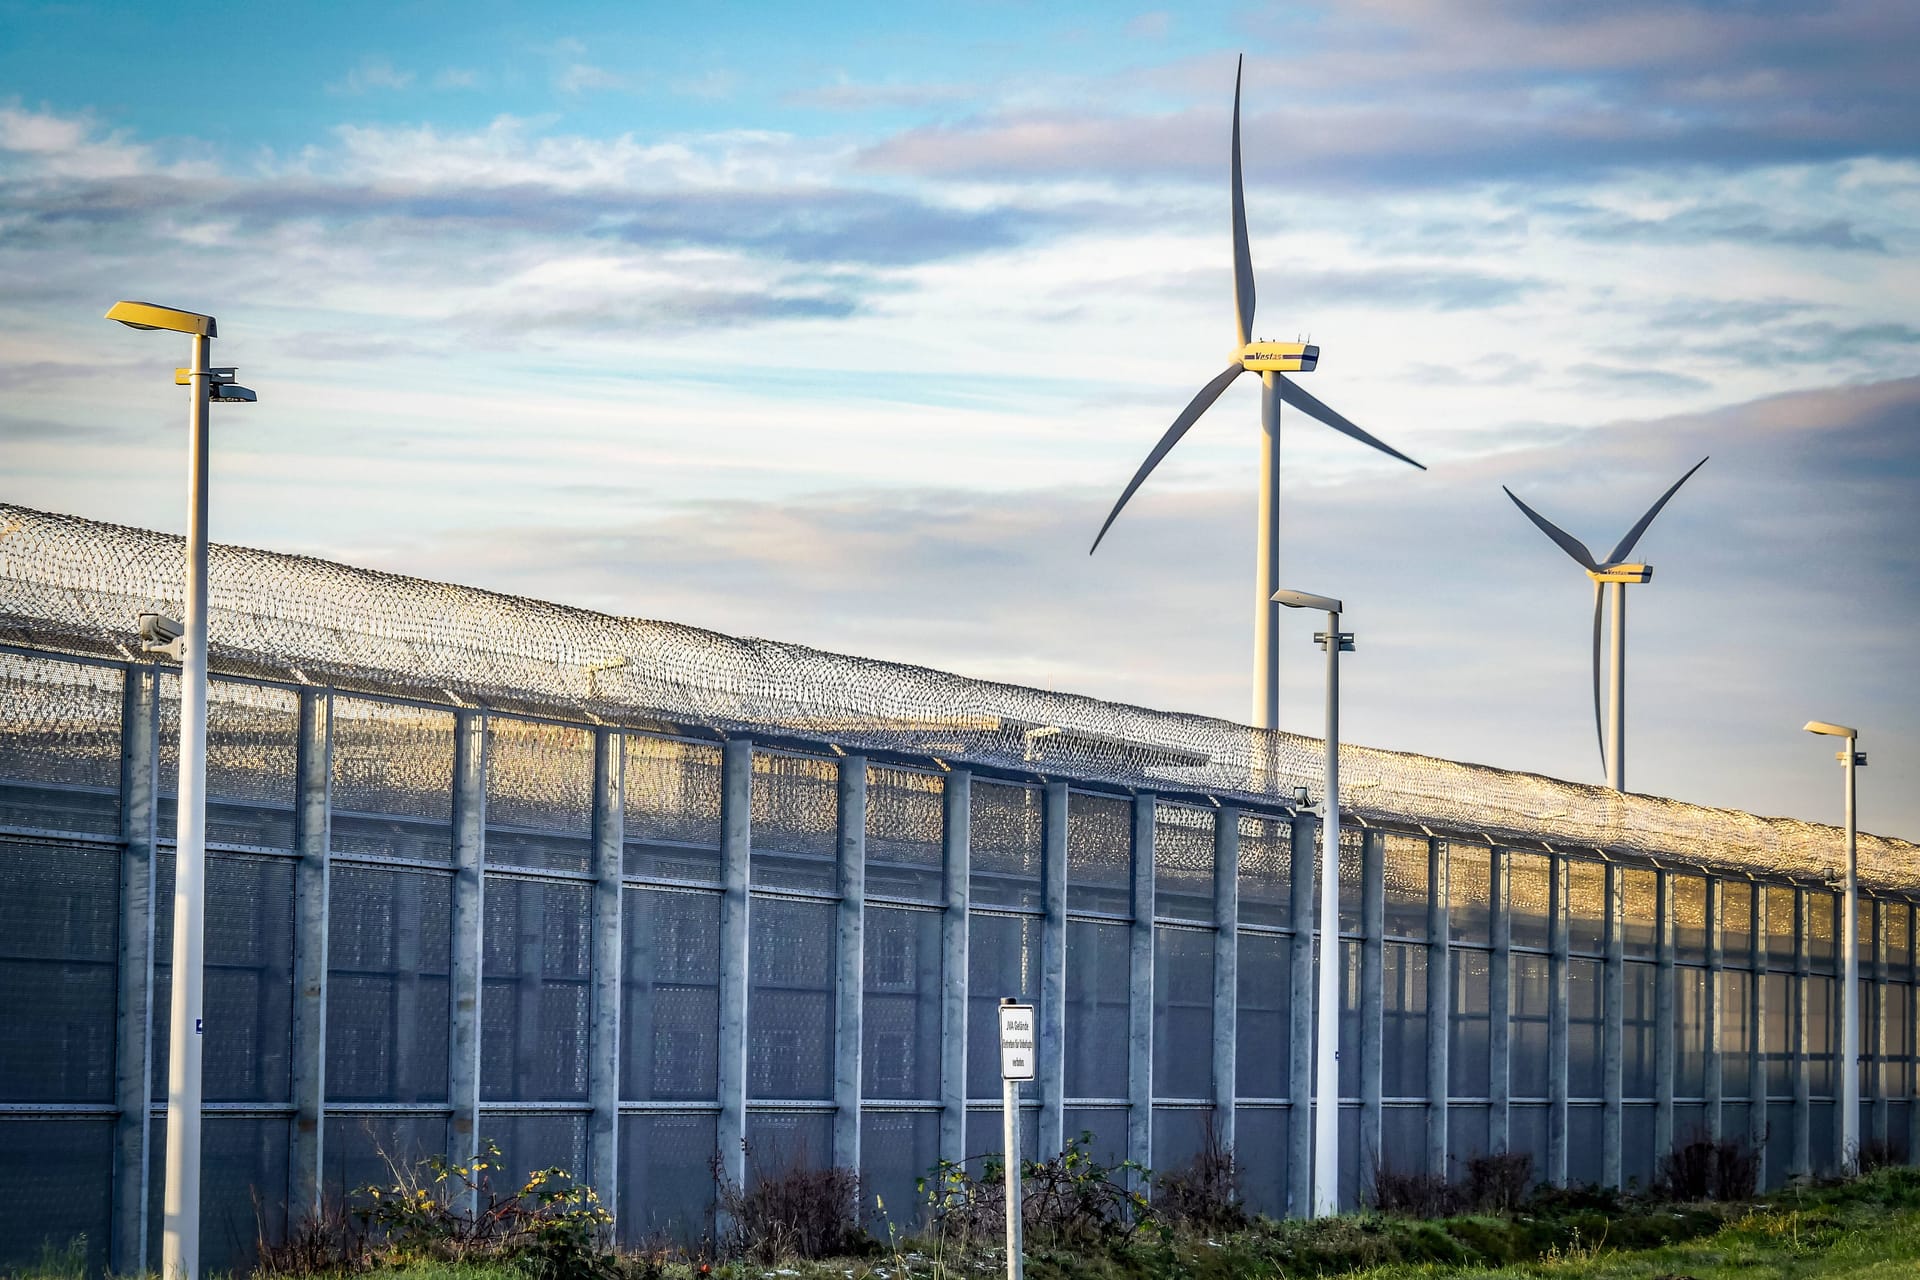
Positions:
(1271, 360)
(1614, 572)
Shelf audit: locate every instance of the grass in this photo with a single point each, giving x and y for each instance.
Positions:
(1863, 1230)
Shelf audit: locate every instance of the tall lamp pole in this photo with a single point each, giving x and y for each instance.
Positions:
(1850, 760)
(1326, 1088)
(180, 1240)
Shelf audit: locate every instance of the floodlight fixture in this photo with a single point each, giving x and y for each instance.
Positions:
(1304, 600)
(1830, 730)
(150, 315)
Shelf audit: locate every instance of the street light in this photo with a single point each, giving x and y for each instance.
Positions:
(1326, 1090)
(180, 1240)
(1850, 952)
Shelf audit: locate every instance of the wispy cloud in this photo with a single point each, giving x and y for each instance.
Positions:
(373, 74)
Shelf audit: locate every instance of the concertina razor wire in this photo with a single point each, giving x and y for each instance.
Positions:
(77, 586)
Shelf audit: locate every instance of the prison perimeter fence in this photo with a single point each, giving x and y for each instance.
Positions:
(629, 897)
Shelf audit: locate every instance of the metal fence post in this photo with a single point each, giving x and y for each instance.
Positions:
(1373, 929)
(1798, 1020)
(1226, 971)
(1873, 1010)
(313, 772)
(1665, 1029)
(956, 841)
(1715, 997)
(1759, 1087)
(133, 1002)
(736, 855)
(1439, 1003)
(467, 912)
(850, 983)
(1304, 832)
(1557, 1116)
(1500, 1005)
(1613, 1031)
(1140, 995)
(1052, 1073)
(609, 949)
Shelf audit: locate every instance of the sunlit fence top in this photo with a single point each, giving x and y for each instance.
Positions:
(77, 586)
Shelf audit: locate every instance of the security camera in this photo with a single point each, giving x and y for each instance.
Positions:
(161, 634)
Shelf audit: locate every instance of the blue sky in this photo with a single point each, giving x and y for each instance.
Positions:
(845, 325)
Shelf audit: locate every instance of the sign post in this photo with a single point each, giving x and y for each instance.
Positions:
(1016, 1064)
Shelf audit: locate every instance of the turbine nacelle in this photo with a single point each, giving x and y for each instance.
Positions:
(1278, 357)
(1622, 573)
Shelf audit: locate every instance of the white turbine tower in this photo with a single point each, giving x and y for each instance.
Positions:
(1614, 572)
(1270, 360)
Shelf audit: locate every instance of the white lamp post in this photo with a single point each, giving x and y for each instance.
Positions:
(180, 1241)
(1850, 952)
(1326, 1091)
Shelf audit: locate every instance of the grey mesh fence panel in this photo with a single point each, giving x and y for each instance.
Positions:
(1179, 1136)
(1689, 918)
(365, 1149)
(672, 808)
(796, 814)
(1099, 845)
(1349, 1019)
(790, 1027)
(905, 826)
(252, 743)
(670, 989)
(897, 1148)
(1736, 1036)
(1262, 1140)
(1403, 1038)
(392, 780)
(1529, 897)
(1006, 823)
(59, 745)
(1586, 906)
(900, 1020)
(1103, 1128)
(779, 1141)
(58, 935)
(1096, 1022)
(1266, 871)
(1637, 1030)
(1262, 1017)
(1822, 1040)
(530, 1143)
(1469, 893)
(666, 1178)
(985, 1133)
(1003, 959)
(243, 1164)
(1406, 874)
(539, 794)
(1351, 865)
(533, 1004)
(1689, 1032)
(1469, 1061)
(388, 959)
(1467, 1136)
(55, 1186)
(1640, 913)
(1530, 991)
(1182, 1014)
(1583, 1029)
(1183, 862)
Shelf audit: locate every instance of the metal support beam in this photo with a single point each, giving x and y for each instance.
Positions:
(609, 947)
(1373, 930)
(1439, 1004)
(467, 911)
(1613, 1031)
(1557, 1027)
(736, 857)
(957, 842)
(1872, 1009)
(1715, 1001)
(1666, 1029)
(133, 1002)
(1051, 1075)
(312, 834)
(1800, 1023)
(1140, 995)
(1304, 828)
(850, 983)
(1758, 1118)
(1226, 971)
(1500, 1005)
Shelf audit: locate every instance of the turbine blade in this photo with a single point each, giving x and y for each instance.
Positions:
(1599, 727)
(1625, 548)
(1188, 416)
(1242, 257)
(1566, 541)
(1295, 395)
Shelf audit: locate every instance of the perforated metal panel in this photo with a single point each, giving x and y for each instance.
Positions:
(365, 1150)
(1352, 874)
(670, 1016)
(392, 779)
(243, 1163)
(796, 822)
(1530, 899)
(1690, 1033)
(1003, 959)
(666, 1178)
(1099, 854)
(1182, 1013)
(900, 1020)
(1179, 1136)
(1584, 1021)
(1736, 1034)
(1260, 1151)
(1781, 918)
(906, 823)
(56, 1174)
(1407, 873)
(1005, 826)
(1096, 1015)
(1530, 991)
(1639, 912)
(1736, 924)
(1469, 1024)
(530, 1143)
(252, 746)
(790, 1005)
(1104, 1129)
(539, 795)
(986, 1135)
(1183, 862)
(248, 995)
(1403, 1033)
(58, 930)
(59, 745)
(672, 791)
(1266, 871)
(1637, 1030)
(1822, 1038)
(897, 1148)
(534, 998)
(1466, 1133)
(1779, 1032)
(1586, 906)
(388, 957)
(1689, 894)
(1469, 893)
(1822, 930)
(778, 1141)
(1262, 1019)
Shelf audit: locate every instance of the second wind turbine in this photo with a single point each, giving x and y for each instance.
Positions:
(1271, 360)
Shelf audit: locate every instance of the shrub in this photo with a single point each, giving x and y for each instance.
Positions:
(1068, 1201)
(1877, 1153)
(1415, 1194)
(795, 1212)
(1204, 1193)
(1498, 1182)
(1704, 1169)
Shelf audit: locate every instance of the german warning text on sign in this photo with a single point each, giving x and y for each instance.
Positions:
(1016, 1042)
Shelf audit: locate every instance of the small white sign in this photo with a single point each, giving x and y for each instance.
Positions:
(1017, 1041)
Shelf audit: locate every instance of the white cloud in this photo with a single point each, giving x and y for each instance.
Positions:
(373, 74)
